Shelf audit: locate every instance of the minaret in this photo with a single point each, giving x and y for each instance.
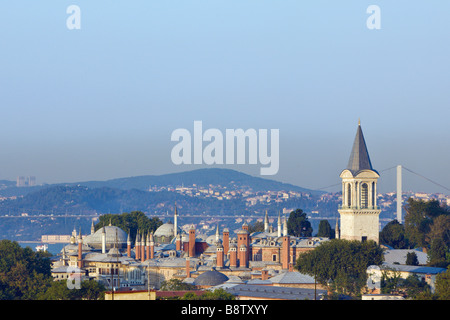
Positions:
(217, 234)
(142, 247)
(92, 227)
(359, 213)
(129, 245)
(152, 246)
(103, 240)
(175, 221)
(285, 229)
(279, 225)
(266, 223)
(148, 245)
(80, 250)
(137, 245)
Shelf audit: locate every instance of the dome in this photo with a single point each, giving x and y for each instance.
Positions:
(114, 235)
(165, 230)
(210, 278)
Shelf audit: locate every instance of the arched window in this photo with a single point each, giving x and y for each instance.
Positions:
(349, 195)
(374, 195)
(364, 195)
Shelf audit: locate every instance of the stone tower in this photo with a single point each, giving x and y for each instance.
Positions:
(359, 213)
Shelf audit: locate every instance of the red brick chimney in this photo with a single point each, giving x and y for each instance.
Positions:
(264, 274)
(233, 256)
(226, 240)
(219, 258)
(188, 268)
(192, 241)
(243, 262)
(285, 252)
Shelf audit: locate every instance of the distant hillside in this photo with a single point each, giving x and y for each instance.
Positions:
(200, 177)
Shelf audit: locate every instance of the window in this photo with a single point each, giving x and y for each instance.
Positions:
(364, 239)
(364, 195)
(349, 195)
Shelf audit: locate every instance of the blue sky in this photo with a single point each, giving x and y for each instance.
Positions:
(101, 102)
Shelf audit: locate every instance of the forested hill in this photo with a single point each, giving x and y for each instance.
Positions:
(129, 194)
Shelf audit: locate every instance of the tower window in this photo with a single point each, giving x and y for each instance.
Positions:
(364, 195)
(349, 195)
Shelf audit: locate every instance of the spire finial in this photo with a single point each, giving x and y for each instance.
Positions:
(359, 121)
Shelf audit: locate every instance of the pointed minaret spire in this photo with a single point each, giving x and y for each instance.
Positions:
(92, 227)
(217, 233)
(359, 157)
(285, 230)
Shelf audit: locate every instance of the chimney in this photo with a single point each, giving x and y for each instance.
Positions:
(192, 241)
(233, 256)
(264, 274)
(226, 240)
(285, 253)
(178, 242)
(243, 262)
(219, 259)
(188, 268)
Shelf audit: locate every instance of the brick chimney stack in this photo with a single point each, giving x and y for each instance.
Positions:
(233, 256)
(219, 258)
(192, 241)
(285, 252)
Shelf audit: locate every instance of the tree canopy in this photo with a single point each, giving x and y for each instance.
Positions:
(298, 224)
(130, 222)
(341, 265)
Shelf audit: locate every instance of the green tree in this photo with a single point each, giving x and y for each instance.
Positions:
(437, 255)
(415, 288)
(217, 294)
(325, 230)
(176, 285)
(419, 218)
(443, 285)
(258, 226)
(24, 274)
(130, 222)
(411, 259)
(393, 235)
(298, 224)
(341, 265)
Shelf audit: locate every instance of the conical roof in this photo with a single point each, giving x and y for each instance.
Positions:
(359, 157)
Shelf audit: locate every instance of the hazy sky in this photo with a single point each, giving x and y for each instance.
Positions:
(101, 102)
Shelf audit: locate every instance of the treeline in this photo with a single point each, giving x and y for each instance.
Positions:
(26, 275)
